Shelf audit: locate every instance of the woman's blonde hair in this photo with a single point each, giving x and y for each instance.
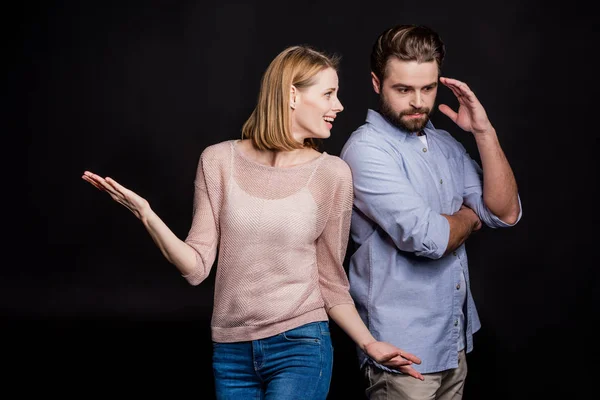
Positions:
(269, 125)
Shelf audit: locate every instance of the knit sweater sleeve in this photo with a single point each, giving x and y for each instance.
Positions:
(333, 240)
(203, 235)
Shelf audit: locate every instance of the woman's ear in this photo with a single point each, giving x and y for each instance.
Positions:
(293, 93)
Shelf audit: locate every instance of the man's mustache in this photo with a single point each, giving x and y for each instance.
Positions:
(419, 111)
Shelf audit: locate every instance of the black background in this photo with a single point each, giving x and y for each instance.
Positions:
(136, 90)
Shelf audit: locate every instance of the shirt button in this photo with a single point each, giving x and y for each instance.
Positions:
(455, 323)
(441, 181)
(454, 253)
(457, 286)
(424, 149)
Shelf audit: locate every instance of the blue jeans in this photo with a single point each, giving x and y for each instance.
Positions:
(295, 364)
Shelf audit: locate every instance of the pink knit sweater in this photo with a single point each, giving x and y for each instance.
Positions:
(281, 236)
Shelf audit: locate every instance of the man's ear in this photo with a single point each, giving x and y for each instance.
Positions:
(375, 82)
(293, 96)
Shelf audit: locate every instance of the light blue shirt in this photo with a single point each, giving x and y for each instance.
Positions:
(406, 291)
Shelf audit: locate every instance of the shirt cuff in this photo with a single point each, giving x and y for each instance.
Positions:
(436, 240)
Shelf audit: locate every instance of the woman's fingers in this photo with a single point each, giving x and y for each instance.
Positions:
(411, 357)
(93, 182)
(412, 372)
(102, 184)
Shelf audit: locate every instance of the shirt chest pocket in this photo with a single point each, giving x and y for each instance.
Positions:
(454, 176)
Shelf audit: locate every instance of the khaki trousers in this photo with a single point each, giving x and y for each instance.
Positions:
(445, 385)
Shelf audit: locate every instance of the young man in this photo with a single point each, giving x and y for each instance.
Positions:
(418, 197)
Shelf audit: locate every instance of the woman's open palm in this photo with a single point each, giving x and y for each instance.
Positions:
(128, 198)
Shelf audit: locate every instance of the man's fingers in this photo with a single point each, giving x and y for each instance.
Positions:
(451, 84)
(460, 89)
(455, 83)
(447, 111)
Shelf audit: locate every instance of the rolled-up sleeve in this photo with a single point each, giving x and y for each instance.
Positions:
(473, 195)
(385, 195)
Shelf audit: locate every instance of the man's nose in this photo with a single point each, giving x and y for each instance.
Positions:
(416, 100)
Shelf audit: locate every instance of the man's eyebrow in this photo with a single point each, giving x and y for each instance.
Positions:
(402, 85)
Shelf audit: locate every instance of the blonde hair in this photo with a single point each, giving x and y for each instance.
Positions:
(269, 125)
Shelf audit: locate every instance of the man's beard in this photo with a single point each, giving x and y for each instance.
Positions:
(410, 125)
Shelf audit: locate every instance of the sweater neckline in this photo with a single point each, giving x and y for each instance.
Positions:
(269, 167)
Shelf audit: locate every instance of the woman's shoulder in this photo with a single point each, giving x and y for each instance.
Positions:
(335, 170)
(336, 165)
(218, 151)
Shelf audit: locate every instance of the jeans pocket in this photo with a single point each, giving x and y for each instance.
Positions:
(309, 333)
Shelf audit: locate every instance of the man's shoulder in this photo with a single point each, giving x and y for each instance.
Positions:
(364, 132)
(364, 135)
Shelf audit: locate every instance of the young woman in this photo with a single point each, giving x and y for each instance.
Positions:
(278, 212)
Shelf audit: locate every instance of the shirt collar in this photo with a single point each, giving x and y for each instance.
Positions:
(381, 124)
